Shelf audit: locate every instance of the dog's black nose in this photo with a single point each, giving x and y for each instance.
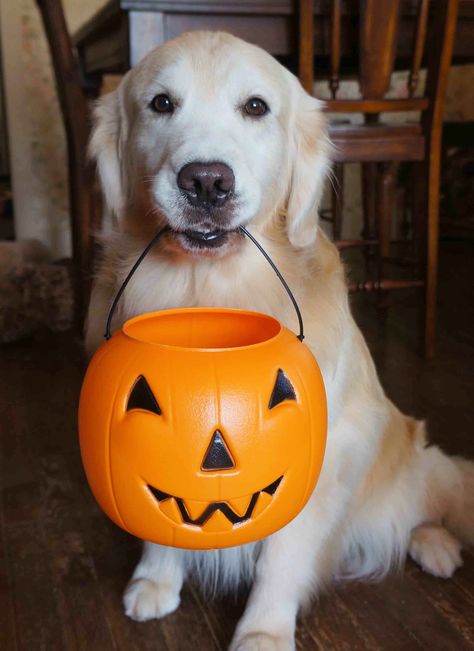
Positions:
(206, 184)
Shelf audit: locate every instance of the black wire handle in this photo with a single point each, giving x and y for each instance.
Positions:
(150, 244)
(155, 239)
(243, 230)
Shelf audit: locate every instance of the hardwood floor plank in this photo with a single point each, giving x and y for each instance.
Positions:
(80, 601)
(114, 554)
(187, 629)
(8, 641)
(221, 614)
(17, 461)
(332, 626)
(464, 577)
(22, 502)
(369, 608)
(453, 602)
(37, 619)
(408, 604)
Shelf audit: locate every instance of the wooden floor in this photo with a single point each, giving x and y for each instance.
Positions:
(63, 565)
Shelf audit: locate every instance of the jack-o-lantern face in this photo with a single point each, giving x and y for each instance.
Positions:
(202, 428)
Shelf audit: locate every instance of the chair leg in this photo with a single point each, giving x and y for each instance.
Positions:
(369, 232)
(385, 200)
(418, 218)
(405, 228)
(432, 249)
(385, 205)
(337, 200)
(83, 208)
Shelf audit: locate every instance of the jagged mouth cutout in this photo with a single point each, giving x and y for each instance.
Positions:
(257, 502)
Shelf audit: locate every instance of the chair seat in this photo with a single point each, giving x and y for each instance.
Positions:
(377, 143)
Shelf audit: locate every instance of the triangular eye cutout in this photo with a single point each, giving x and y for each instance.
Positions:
(283, 390)
(142, 397)
(217, 455)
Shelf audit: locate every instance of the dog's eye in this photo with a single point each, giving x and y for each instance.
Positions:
(162, 104)
(255, 107)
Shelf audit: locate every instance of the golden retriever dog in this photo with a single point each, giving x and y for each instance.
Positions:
(206, 134)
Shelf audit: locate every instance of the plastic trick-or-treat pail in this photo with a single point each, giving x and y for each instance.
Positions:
(202, 428)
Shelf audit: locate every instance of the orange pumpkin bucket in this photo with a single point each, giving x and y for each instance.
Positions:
(203, 427)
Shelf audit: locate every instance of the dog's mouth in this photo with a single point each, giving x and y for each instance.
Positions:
(215, 516)
(206, 241)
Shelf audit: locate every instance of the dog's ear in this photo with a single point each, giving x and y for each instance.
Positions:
(309, 150)
(105, 148)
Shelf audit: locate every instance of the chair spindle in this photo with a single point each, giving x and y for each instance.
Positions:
(419, 46)
(335, 47)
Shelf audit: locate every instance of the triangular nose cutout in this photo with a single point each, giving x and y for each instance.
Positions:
(217, 456)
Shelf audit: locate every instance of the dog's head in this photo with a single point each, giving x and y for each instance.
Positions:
(206, 134)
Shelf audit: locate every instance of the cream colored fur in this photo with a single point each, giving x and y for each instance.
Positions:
(382, 492)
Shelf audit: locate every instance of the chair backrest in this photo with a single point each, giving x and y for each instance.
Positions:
(75, 114)
(379, 22)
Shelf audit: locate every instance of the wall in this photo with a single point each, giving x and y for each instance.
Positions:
(36, 135)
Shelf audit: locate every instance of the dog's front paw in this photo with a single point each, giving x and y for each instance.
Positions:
(144, 599)
(263, 642)
(436, 550)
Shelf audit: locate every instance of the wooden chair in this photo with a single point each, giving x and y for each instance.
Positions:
(74, 106)
(382, 145)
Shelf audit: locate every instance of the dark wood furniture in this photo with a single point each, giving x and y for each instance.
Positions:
(381, 144)
(82, 195)
(457, 186)
(117, 36)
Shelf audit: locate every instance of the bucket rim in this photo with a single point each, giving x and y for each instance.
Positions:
(268, 319)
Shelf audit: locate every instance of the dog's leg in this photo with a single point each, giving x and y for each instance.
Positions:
(436, 544)
(293, 563)
(154, 588)
(435, 550)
